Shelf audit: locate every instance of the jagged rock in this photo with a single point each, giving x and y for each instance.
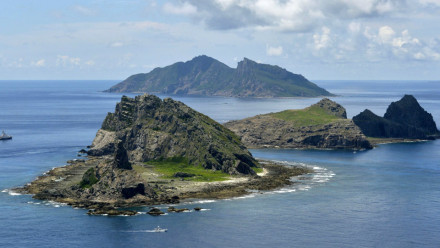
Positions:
(121, 158)
(206, 76)
(332, 108)
(111, 212)
(155, 212)
(149, 128)
(176, 210)
(322, 125)
(403, 119)
(197, 208)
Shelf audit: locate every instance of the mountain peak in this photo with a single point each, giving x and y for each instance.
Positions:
(332, 108)
(203, 59)
(409, 112)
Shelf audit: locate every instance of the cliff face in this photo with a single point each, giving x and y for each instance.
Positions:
(152, 129)
(322, 125)
(403, 119)
(206, 76)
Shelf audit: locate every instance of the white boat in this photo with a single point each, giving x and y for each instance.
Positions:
(158, 229)
(4, 136)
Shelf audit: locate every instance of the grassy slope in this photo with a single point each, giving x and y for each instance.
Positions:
(168, 167)
(310, 116)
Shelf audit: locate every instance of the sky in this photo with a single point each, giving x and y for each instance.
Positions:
(320, 39)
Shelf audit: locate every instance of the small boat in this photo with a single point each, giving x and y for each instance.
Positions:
(158, 229)
(4, 136)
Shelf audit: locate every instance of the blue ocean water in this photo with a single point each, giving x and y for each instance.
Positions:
(386, 197)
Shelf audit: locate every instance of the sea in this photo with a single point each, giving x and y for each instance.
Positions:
(385, 197)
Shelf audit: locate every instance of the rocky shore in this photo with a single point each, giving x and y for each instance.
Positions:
(60, 185)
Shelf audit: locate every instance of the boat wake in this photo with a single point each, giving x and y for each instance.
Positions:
(155, 230)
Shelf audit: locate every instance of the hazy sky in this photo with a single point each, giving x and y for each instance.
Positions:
(321, 39)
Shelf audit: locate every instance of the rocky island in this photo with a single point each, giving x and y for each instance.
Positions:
(404, 119)
(152, 151)
(323, 125)
(206, 76)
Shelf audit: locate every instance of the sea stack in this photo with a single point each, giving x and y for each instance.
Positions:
(403, 119)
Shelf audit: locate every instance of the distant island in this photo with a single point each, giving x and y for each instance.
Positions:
(404, 119)
(152, 151)
(206, 76)
(323, 125)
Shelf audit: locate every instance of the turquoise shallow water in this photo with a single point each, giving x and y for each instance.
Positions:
(386, 197)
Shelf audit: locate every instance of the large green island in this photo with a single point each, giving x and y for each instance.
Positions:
(206, 76)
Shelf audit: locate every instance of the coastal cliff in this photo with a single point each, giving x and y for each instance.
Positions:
(323, 125)
(204, 75)
(403, 119)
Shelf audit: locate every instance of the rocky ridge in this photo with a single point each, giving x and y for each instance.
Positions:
(403, 119)
(206, 76)
(322, 125)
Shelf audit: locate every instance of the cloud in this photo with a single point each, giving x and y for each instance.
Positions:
(274, 51)
(386, 34)
(430, 2)
(400, 45)
(354, 27)
(281, 15)
(90, 63)
(117, 44)
(322, 40)
(183, 9)
(83, 10)
(39, 63)
(65, 61)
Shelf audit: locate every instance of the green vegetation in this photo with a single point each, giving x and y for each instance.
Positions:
(170, 166)
(257, 169)
(207, 76)
(88, 179)
(311, 116)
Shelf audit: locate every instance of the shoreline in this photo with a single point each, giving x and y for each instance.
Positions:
(49, 187)
(383, 141)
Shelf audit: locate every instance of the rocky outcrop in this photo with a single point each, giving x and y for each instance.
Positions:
(323, 125)
(147, 128)
(403, 119)
(332, 108)
(206, 76)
